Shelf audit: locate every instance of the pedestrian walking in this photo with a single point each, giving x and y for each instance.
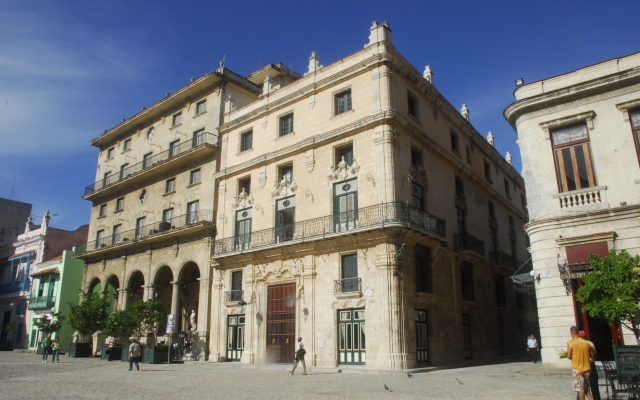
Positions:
(593, 378)
(532, 348)
(134, 355)
(112, 343)
(46, 348)
(579, 352)
(300, 352)
(56, 347)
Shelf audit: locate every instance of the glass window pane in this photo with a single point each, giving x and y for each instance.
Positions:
(582, 167)
(349, 337)
(356, 336)
(569, 134)
(362, 337)
(568, 169)
(342, 336)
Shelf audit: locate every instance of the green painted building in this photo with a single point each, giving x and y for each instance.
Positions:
(56, 283)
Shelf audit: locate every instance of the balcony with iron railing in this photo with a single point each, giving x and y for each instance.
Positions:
(367, 218)
(347, 285)
(233, 296)
(157, 230)
(15, 286)
(42, 302)
(500, 259)
(175, 156)
(465, 242)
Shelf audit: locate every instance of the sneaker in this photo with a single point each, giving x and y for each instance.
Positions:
(137, 368)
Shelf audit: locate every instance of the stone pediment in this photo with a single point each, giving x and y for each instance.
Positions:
(419, 174)
(242, 200)
(284, 188)
(344, 170)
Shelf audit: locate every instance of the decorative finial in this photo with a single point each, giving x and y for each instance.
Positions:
(428, 74)
(465, 112)
(490, 139)
(509, 158)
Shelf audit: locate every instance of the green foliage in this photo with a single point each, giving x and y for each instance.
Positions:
(612, 290)
(121, 324)
(90, 315)
(148, 314)
(52, 325)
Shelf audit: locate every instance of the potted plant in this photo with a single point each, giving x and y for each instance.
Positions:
(149, 314)
(86, 318)
(119, 324)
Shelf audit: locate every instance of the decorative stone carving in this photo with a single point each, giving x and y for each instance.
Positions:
(509, 158)
(222, 189)
(262, 177)
(267, 86)
(490, 139)
(310, 161)
(312, 101)
(428, 74)
(379, 33)
(344, 170)
(461, 203)
(419, 174)
(264, 122)
(465, 112)
(314, 63)
(192, 321)
(284, 188)
(242, 200)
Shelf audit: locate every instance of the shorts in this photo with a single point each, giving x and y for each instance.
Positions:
(580, 380)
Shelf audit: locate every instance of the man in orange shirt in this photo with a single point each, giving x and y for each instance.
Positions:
(579, 352)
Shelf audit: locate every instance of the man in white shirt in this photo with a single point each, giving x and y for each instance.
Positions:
(300, 352)
(532, 348)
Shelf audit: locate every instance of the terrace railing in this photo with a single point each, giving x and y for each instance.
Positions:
(373, 216)
(347, 285)
(500, 259)
(466, 242)
(198, 141)
(42, 302)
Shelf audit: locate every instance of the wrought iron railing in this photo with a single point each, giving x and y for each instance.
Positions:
(233, 295)
(42, 302)
(198, 141)
(373, 216)
(500, 259)
(145, 231)
(347, 285)
(466, 242)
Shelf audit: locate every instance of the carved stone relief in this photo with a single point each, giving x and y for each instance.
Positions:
(344, 170)
(284, 188)
(242, 200)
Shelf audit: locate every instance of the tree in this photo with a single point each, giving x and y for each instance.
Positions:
(90, 315)
(121, 323)
(148, 314)
(52, 325)
(612, 290)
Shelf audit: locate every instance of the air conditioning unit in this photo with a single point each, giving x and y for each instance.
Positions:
(164, 226)
(152, 231)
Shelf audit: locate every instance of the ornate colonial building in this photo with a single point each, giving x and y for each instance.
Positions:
(358, 209)
(352, 206)
(578, 135)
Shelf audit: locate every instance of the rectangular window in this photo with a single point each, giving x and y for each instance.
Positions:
(487, 170)
(146, 160)
(124, 171)
(523, 201)
(201, 107)
(100, 239)
(459, 186)
(242, 238)
(244, 184)
(417, 196)
(468, 152)
(115, 235)
(512, 226)
(492, 210)
(167, 215)
(174, 148)
(198, 138)
(170, 185)
(424, 278)
(286, 124)
(192, 212)
(195, 177)
(634, 118)
(500, 292)
(127, 144)
(412, 105)
(140, 225)
(345, 205)
(350, 281)
(455, 142)
(236, 280)
(343, 102)
(416, 158)
(110, 153)
(177, 119)
(120, 204)
(246, 141)
(345, 153)
(572, 153)
(507, 189)
(466, 274)
(103, 210)
(285, 172)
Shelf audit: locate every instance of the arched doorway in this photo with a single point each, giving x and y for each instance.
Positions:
(112, 286)
(189, 295)
(164, 294)
(94, 287)
(136, 291)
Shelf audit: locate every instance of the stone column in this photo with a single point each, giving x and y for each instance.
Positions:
(174, 299)
(203, 316)
(216, 317)
(124, 298)
(384, 141)
(249, 353)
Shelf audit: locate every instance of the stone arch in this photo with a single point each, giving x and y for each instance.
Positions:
(95, 286)
(163, 285)
(111, 287)
(189, 295)
(135, 287)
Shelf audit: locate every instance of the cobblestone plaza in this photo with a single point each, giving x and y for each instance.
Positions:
(91, 378)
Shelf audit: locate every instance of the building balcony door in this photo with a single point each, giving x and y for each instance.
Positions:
(235, 337)
(243, 230)
(345, 209)
(285, 219)
(422, 343)
(281, 324)
(351, 337)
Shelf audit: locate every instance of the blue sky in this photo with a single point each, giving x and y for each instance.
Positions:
(70, 69)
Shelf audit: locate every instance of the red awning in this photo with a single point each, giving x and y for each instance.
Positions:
(46, 272)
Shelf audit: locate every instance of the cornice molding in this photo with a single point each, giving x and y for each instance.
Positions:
(596, 237)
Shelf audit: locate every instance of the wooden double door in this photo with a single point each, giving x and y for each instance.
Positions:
(281, 323)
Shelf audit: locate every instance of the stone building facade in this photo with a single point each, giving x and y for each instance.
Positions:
(578, 135)
(358, 209)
